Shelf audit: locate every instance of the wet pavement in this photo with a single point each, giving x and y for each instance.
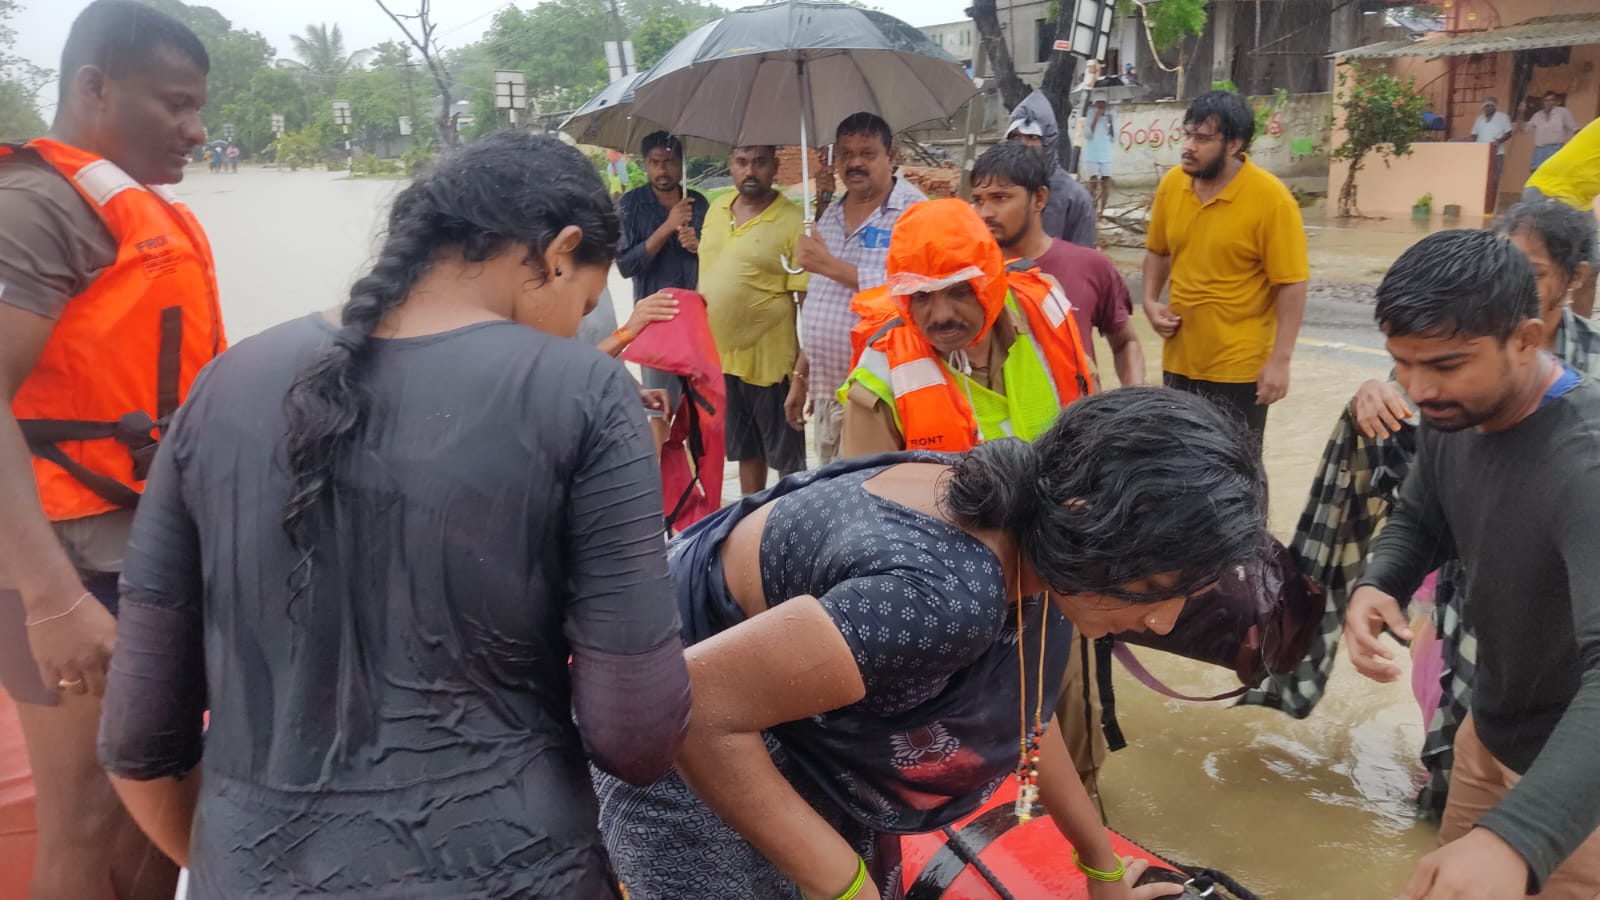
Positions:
(1312, 810)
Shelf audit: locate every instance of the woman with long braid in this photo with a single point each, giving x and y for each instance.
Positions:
(369, 547)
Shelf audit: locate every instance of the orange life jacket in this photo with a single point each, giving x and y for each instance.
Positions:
(122, 356)
(935, 413)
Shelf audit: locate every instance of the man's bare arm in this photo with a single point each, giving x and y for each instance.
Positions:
(75, 647)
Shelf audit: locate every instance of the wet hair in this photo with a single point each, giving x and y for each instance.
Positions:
(1465, 282)
(1026, 167)
(122, 37)
(1235, 120)
(660, 140)
(509, 191)
(770, 148)
(1568, 233)
(1126, 484)
(868, 124)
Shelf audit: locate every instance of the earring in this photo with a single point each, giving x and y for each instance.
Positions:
(558, 271)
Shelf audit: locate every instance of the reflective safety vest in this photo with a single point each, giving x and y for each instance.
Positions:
(122, 356)
(939, 408)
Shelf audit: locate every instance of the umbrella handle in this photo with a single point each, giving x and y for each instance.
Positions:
(784, 258)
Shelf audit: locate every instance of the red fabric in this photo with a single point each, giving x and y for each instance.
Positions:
(684, 346)
(17, 829)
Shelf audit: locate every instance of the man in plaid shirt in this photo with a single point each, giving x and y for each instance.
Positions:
(847, 254)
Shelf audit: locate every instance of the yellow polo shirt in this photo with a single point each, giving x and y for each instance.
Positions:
(1228, 257)
(1573, 174)
(747, 291)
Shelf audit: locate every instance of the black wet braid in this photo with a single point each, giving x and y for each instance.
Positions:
(507, 189)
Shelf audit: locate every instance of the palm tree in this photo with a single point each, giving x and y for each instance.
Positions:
(321, 52)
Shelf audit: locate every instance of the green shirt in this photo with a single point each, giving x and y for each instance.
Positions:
(747, 290)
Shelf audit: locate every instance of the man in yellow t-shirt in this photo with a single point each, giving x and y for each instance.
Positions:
(1228, 235)
(750, 302)
(1572, 176)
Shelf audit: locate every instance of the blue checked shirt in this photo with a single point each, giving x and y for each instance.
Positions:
(826, 318)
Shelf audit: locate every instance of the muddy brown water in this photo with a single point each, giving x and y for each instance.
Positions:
(1301, 810)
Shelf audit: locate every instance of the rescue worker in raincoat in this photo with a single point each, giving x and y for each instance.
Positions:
(958, 347)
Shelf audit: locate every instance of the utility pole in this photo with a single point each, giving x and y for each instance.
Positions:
(977, 113)
(622, 39)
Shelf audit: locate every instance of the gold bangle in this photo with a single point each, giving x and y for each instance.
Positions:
(624, 335)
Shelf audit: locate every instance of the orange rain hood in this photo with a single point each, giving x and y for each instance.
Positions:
(935, 241)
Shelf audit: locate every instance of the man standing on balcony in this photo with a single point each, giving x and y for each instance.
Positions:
(1551, 128)
(1494, 127)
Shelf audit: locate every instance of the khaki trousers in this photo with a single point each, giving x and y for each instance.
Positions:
(1477, 783)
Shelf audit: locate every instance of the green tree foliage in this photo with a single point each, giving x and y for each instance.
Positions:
(657, 34)
(560, 45)
(270, 91)
(1382, 115)
(20, 82)
(321, 50)
(1169, 21)
(19, 120)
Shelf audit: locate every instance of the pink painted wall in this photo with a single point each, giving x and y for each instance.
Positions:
(1454, 173)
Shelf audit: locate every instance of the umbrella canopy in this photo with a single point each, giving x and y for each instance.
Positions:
(610, 119)
(749, 76)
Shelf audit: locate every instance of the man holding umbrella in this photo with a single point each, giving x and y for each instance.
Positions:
(847, 254)
(661, 222)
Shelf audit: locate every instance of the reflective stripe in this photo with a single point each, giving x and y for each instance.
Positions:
(915, 375)
(1056, 306)
(102, 180)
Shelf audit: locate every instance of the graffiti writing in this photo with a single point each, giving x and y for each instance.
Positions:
(1153, 135)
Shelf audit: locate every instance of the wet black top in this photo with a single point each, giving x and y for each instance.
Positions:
(1520, 507)
(405, 728)
(925, 610)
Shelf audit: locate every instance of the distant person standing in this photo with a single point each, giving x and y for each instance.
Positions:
(661, 222)
(1070, 213)
(108, 311)
(1229, 237)
(1551, 128)
(847, 254)
(1099, 146)
(232, 155)
(1494, 127)
(749, 303)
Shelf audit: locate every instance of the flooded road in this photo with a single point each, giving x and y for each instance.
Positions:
(1312, 810)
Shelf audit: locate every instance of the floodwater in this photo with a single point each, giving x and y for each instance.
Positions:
(1310, 810)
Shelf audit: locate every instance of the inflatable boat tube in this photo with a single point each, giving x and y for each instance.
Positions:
(990, 856)
(17, 829)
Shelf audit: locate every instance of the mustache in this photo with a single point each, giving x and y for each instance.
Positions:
(951, 325)
(858, 172)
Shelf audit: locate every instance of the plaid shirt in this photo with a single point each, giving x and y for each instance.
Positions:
(826, 318)
(1358, 481)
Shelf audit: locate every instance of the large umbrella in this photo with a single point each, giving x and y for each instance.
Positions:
(611, 119)
(754, 75)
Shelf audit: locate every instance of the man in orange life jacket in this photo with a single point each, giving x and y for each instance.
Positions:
(962, 347)
(108, 310)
